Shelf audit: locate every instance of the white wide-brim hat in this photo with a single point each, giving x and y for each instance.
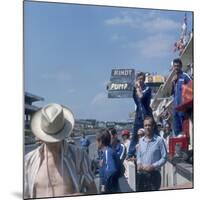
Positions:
(52, 123)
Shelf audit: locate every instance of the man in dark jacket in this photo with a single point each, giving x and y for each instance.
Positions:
(142, 99)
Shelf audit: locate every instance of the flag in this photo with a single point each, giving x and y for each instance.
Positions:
(184, 30)
(181, 43)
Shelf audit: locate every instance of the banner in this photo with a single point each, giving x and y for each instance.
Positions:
(121, 83)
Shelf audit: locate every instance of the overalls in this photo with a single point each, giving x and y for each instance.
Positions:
(178, 116)
(143, 109)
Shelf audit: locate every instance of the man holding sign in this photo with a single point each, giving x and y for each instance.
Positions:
(142, 99)
(123, 85)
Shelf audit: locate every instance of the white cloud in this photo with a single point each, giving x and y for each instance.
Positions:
(150, 22)
(160, 25)
(123, 20)
(155, 46)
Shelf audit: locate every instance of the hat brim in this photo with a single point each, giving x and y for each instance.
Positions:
(52, 138)
(125, 134)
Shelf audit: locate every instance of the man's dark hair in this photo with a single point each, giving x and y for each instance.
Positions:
(177, 60)
(113, 131)
(141, 74)
(150, 118)
(104, 137)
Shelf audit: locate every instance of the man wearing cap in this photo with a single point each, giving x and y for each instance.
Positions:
(56, 168)
(180, 78)
(126, 138)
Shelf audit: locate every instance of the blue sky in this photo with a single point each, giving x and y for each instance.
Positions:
(70, 50)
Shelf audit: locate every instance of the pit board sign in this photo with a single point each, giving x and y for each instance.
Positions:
(121, 83)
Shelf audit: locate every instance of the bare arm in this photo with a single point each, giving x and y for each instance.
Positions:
(139, 90)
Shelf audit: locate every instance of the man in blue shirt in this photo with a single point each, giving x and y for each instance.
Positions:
(117, 145)
(84, 142)
(142, 99)
(109, 163)
(151, 156)
(180, 78)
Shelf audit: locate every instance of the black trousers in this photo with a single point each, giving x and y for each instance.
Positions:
(112, 184)
(148, 181)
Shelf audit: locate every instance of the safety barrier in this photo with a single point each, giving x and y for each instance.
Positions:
(173, 176)
(131, 175)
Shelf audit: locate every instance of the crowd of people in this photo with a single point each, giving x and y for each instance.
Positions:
(60, 168)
